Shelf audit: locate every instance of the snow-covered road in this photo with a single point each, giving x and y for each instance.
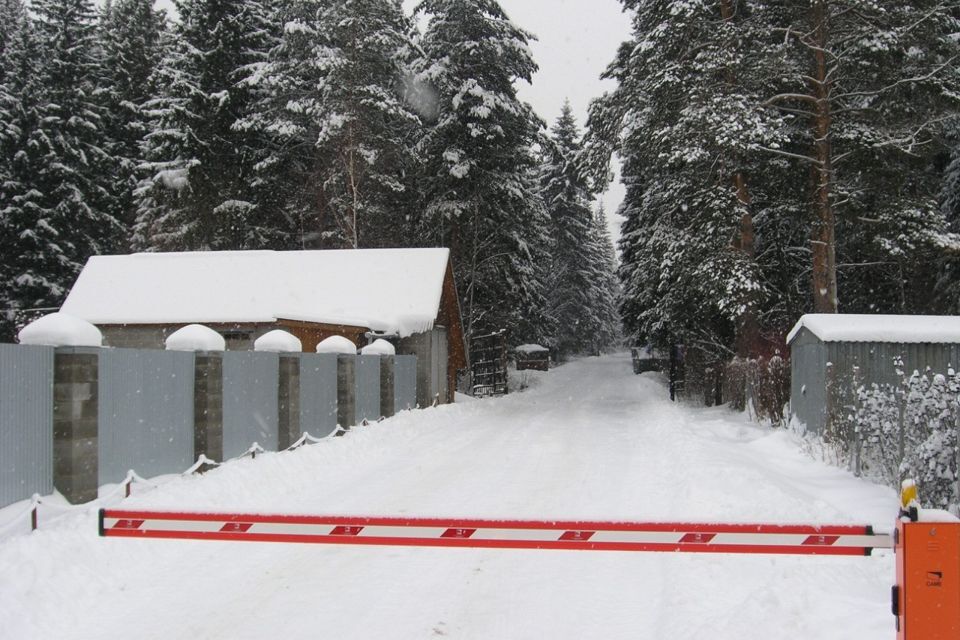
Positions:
(591, 441)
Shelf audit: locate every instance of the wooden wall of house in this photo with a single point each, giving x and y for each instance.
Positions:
(449, 317)
(311, 333)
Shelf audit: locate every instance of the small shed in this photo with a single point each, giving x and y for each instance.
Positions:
(825, 348)
(407, 296)
(532, 356)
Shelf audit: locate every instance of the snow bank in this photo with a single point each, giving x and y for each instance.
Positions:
(379, 347)
(337, 344)
(195, 337)
(593, 442)
(278, 341)
(61, 330)
(852, 327)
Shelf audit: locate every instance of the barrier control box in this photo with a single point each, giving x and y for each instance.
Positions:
(926, 598)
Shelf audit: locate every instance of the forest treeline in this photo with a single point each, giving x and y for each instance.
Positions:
(296, 124)
(781, 157)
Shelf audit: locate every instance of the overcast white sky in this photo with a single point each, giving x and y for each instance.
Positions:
(576, 39)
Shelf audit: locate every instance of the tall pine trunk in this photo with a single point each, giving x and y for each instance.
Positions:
(823, 240)
(748, 329)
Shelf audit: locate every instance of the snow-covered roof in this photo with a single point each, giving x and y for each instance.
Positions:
(849, 327)
(387, 290)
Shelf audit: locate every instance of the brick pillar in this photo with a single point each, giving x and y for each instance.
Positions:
(387, 386)
(75, 431)
(208, 405)
(288, 405)
(346, 391)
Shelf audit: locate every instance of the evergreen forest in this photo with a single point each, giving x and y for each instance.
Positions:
(779, 157)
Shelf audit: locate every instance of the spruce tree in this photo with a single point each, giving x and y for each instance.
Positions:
(608, 293)
(479, 188)
(334, 109)
(197, 191)
(131, 40)
(576, 266)
(19, 68)
(687, 120)
(58, 204)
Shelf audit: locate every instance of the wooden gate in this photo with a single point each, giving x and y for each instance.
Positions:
(488, 358)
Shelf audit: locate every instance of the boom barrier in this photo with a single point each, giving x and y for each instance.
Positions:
(925, 599)
(501, 534)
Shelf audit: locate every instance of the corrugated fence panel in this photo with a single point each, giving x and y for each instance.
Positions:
(250, 401)
(368, 388)
(26, 422)
(405, 379)
(318, 393)
(145, 417)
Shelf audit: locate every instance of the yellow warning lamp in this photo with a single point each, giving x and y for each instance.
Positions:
(908, 499)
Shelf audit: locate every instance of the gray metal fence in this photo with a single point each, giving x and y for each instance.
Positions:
(405, 382)
(123, 409)
(368, 388)
(26, 422)
(318, 393)
(145, 417)
(250, 381)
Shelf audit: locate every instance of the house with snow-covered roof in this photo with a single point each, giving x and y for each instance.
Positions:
(825, 348)
(405, 295)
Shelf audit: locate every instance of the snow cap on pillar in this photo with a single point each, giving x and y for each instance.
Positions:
(61, 330)
(278, 341)
(379, 347)
(337, 344)
(195, 337)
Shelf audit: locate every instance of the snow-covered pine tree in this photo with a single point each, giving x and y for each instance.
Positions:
(197, 192)
(59, 206)
(480, 198)
(333, 104)
(875, 84)
(608, 296)
(131, 38)
(687, 119)
(18, 68)
(576, 274)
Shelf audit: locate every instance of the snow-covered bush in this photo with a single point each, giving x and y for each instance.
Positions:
(894, 431)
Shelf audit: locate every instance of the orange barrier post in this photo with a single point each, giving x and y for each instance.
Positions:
(926, 598)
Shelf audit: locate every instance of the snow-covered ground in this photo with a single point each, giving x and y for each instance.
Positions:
(589, 441)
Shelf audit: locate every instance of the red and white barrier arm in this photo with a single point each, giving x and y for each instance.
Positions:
(501, 534)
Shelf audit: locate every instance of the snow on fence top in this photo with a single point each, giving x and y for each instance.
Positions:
(849, 327)
(337, 344)
(61, 330)
(387, 290)
(195, 337)
(379, 347)
(278, 341)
